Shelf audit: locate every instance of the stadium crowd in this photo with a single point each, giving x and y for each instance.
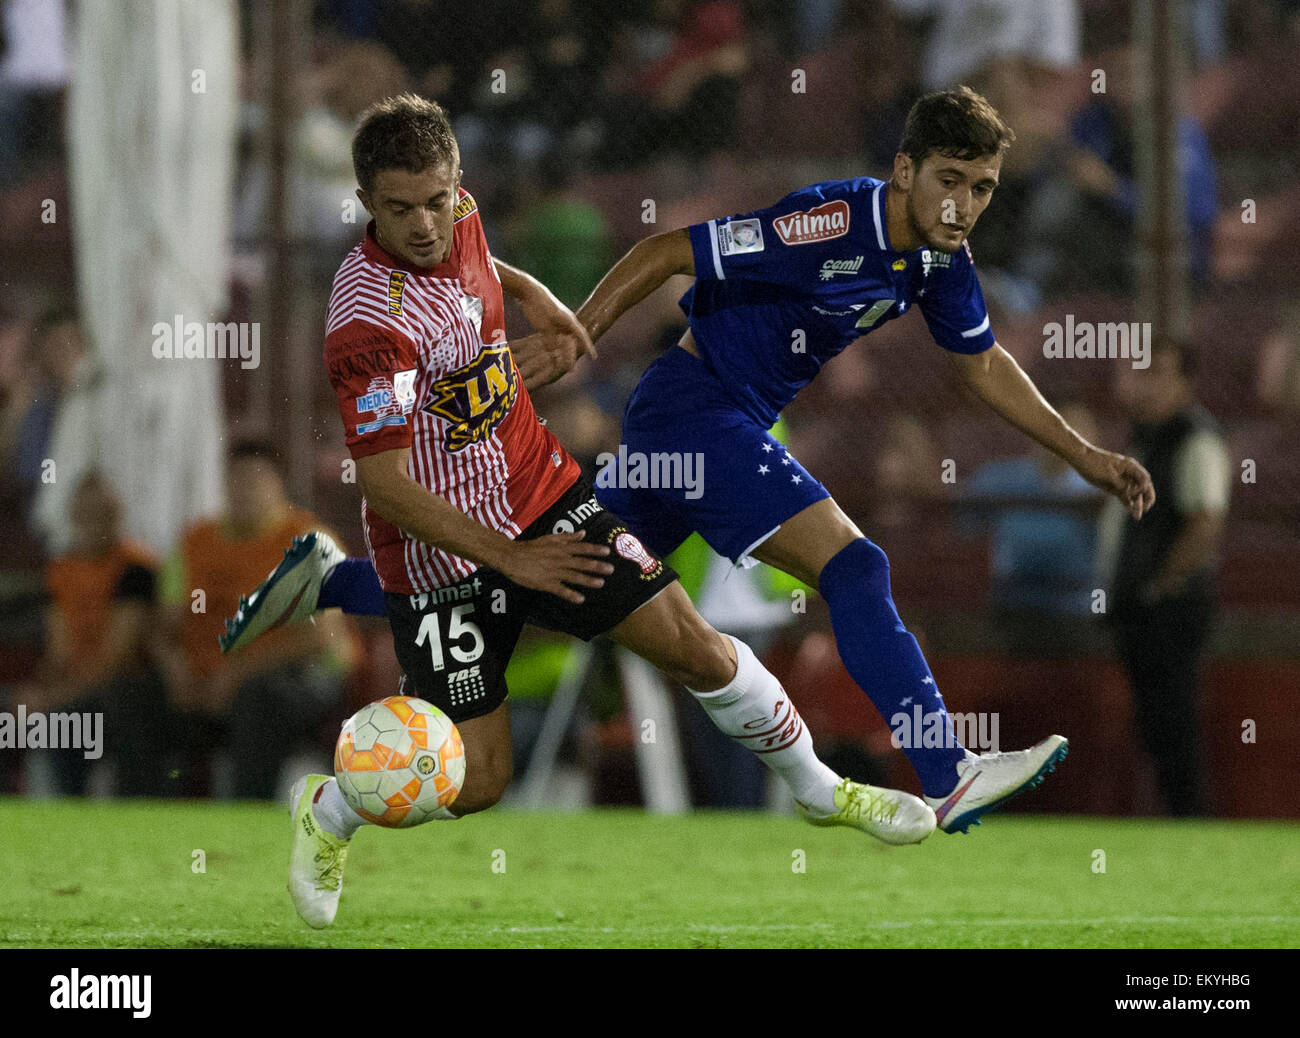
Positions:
(585, 126)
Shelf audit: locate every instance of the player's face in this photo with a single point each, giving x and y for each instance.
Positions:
(413, 212)
(947, 197)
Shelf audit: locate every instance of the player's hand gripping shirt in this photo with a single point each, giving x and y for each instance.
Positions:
(782, 290)
(418, 358)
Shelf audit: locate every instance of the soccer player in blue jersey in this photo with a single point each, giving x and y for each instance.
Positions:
(777, 293)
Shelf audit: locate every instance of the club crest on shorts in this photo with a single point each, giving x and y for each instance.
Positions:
(629, 546)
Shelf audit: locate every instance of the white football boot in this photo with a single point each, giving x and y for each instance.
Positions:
(316, 859)
(288, 594)
(887, 814)
(986, 780)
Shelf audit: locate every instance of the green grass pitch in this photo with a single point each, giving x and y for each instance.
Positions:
(104, 875)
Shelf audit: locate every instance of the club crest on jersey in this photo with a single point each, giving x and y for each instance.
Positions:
(475, 398)
(820, 224)
(396, 284)
(382, 400)
(463, 208)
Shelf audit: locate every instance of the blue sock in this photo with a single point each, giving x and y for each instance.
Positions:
(886, 662)
(353, 586)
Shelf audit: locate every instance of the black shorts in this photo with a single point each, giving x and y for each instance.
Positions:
(454, 643)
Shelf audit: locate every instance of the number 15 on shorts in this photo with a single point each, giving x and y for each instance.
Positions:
(458, 630)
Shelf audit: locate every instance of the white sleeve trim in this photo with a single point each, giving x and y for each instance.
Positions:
(717, 256)
(979, 329)
(875, 216)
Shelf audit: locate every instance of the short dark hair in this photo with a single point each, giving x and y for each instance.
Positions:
(256, 450)
(406, 132)
(959, 124)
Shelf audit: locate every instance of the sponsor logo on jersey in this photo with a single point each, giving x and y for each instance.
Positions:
(396, 284)
(875, 313)
(820, 224)
(379, 399)
(422, 600)
(362, 364)
(739, 236)
(463, 208)
(475, 398)
(835, 267)
(933, 259)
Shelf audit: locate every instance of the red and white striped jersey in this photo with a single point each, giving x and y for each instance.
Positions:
(418, 359)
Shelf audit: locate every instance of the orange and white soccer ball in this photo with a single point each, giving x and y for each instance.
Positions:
(399, 760)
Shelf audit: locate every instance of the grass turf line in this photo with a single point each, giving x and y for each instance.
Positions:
(120, 874)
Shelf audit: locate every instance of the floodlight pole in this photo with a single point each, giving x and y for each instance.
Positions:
(1159, 58)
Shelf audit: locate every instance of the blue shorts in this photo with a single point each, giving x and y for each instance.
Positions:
(691, 460)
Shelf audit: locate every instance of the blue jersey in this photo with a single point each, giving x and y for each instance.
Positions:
(782, 290)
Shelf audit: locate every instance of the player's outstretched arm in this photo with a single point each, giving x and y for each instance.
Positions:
(647, 265)
(559, 342)
(557, 563)
(996, 378)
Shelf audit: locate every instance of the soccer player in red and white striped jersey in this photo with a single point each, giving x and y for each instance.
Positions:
(399, 332)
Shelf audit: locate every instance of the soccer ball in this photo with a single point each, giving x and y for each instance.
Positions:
(399, 760)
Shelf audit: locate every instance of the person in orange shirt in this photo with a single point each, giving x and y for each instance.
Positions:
(97, 657)
(265, 705)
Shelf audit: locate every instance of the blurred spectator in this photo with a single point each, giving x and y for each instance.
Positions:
(561, 238)
(97, 660)
(907, 475)
(1041, 515)
(349, 79)
(270, 700)
(1278, 380)
(56, 373)
(33, 73)
(1082, 217)
(685, 101)
(1162, 598)
(968, 35)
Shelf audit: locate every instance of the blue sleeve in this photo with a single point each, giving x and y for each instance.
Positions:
(774, 244)
(954, 308)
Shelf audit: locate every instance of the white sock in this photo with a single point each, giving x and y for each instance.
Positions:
(336, 817)
(755, 711)
(333, 813)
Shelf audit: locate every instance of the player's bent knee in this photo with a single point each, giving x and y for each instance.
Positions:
(703, 663)
(489, 765)
(485, 789)
(861, 565)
